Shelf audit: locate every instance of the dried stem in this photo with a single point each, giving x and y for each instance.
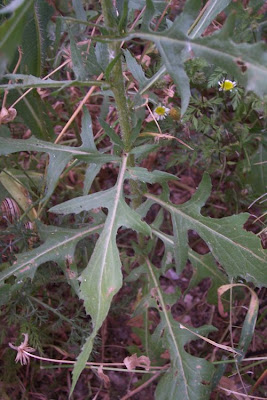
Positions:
(14, 71)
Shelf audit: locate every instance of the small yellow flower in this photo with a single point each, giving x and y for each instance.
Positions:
(175, 114)
(226, 85)
(161, 112)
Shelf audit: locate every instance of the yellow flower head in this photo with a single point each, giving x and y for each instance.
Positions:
(161, 112)
(175, 114)
(227, 85)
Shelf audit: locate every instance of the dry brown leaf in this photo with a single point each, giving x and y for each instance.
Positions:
(103, 377)
(7, 115)
(133, 361)
(231, 389)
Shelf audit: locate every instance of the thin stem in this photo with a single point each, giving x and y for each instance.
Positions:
(229, 391)
(190, 30)
(107, 366)
(46, 77)
(78, 109)
(137, 390)
(244, 359)
(14, 71)
(231, 335)
(116, 78)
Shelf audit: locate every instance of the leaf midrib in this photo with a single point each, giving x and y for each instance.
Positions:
(190, 252)
(48, 84)
(111, 222)
(168, 322)
(50, 249)
(197, 222)
(47, 148)
(216, 53)
(198, 27)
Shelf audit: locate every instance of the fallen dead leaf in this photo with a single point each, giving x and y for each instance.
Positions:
(133, 361)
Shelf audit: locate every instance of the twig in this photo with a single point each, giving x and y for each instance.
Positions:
(24, 353)
(258, 198)
(229, 391)
(220, 346)
(92, 34)
(78, 109)
(137, 390)
(46, 77)
(165, 136)
(259, 381)
(14, 71)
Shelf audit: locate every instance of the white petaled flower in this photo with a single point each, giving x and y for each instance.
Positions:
(227, 85)
(22, 357)
(160, 112)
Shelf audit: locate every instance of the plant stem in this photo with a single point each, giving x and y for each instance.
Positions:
(118, 88)
(116, 78)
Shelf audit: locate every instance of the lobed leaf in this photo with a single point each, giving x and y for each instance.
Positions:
(30, 81)
(59, 244)
(188, 378)
(143, 175)
(237, 250)
(102, 278)
(211, 9)
(135, 69)
(59, 155)
(78, 65)
(245, 62)
(79, 10)
(114, 137)
(90, 175)
(204, 266)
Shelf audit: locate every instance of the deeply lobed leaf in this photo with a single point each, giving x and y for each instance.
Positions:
(237, 250)
(102, 278)
(59, 155)
(189, 378)
(245, 62)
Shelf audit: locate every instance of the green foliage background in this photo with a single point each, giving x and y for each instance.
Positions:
(227, 131)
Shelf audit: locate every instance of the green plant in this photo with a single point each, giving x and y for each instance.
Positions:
(226, 132)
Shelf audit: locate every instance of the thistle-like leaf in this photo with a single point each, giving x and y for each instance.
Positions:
(30, 81)
(59, 245)
(211, 9)
(237, 250)
(102, 278)
(245, 62)
(188, 378)
(59, 155)
(143, 175)
(204, 266)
